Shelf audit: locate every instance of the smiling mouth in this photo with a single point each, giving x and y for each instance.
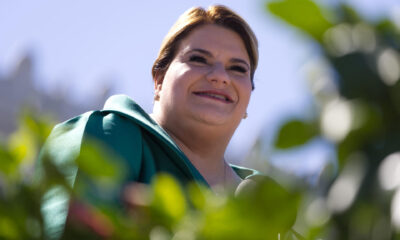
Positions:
(216, 96)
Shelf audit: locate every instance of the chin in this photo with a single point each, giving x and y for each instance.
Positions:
(215, 119)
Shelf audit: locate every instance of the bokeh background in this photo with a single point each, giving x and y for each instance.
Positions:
(323, 120)
(66, 57)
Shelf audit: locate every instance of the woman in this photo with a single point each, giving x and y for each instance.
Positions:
(203, 81)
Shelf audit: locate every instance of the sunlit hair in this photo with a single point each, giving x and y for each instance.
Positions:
(195, 17)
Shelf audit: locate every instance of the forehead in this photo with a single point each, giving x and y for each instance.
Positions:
(218, 40)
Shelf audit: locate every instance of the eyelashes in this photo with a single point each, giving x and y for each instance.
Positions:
(239, 69)
(196, 58)
(203, 60)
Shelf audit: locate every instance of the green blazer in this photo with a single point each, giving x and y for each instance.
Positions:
(125, 128)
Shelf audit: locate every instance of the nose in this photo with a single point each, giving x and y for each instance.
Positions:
(218, 75)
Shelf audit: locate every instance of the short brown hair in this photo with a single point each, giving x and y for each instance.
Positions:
(197, 16)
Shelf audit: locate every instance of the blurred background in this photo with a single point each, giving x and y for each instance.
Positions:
(323, 118)
(66, 57)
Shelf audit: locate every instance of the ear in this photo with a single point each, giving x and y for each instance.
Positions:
(158, 80)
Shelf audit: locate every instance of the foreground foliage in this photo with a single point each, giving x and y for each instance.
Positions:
(164, 210)
(356, 87)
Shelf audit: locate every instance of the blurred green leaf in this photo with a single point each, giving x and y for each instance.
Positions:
(168, 198)
(197, 195)
(98, 162)
(358, 77)
(40, 127)
(295, 133)
(8, 164)
(303, 14)
(23, 146)
(8, 230)
(261, 200)
(253, 214)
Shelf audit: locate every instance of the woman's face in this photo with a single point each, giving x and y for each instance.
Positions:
(208, 81)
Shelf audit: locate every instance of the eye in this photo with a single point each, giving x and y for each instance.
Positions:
(197, 58)
(239, 69)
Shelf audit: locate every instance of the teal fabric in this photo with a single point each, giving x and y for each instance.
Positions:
(143, 146)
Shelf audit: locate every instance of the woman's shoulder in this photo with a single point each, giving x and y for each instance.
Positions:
(122, 127)
(102, 124)
(120, 115)
(114, 127)
(124, 106)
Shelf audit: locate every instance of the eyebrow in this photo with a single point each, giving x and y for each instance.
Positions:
(209, 54)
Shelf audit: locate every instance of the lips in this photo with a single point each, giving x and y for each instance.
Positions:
(215, 95)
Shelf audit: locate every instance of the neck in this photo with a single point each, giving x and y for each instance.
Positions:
(205, 146)
(205, 152)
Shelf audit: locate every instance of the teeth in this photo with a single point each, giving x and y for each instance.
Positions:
(215, 96)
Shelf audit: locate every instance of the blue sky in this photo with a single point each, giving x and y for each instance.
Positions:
(82, 45)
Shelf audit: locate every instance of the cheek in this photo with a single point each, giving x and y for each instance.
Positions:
(245, 90)
(176, 81)
(246, 100)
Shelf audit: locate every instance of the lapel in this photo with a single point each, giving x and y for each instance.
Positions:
(123, 105)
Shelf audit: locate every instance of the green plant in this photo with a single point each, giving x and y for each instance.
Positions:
(261, 209)
(357, 104)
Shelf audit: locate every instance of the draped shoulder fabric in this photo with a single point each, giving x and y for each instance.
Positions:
(135, 139)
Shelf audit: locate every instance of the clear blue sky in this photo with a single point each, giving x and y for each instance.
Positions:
(93, 42)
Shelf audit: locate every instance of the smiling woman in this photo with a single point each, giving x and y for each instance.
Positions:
(203, 82)
(205, 93)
